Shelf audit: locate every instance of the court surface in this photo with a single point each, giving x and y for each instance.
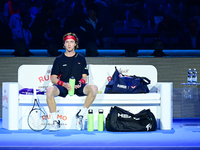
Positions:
(187, 137)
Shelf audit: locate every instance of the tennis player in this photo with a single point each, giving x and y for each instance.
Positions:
(64, 67)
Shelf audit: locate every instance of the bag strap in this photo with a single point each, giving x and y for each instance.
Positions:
(145, 79)
(118, 71)
(134, 76)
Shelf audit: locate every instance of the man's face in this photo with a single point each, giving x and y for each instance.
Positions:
(158, 46)
(91, 13)
(26, 20)
(24, 6)
(70, 44)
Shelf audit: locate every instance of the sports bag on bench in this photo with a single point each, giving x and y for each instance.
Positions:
(120, 120)
(122, 84)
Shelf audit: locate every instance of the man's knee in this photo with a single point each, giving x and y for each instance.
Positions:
(51, 91)
(93, 90)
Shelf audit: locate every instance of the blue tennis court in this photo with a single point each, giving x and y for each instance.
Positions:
(187, 137)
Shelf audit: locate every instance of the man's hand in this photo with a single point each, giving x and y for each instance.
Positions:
(67, 86)
(78, 86)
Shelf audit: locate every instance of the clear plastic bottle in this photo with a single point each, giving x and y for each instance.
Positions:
(189, 77)
(194, 76)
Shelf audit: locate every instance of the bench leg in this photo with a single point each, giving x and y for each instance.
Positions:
(10, 105)
(166, 110)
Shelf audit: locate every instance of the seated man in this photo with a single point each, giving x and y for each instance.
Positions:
(92, 28)
(158, 48)
(131, 50)
(64, 67)
(191, 38)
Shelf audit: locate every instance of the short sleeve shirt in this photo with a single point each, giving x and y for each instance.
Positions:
(66, 67)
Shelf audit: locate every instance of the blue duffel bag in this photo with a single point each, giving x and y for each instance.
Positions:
(123, 84)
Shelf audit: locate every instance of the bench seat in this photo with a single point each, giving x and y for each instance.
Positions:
(100, 98)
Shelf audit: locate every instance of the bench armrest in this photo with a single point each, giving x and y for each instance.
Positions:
(166, 92)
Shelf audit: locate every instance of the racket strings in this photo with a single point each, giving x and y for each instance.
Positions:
(37, 120)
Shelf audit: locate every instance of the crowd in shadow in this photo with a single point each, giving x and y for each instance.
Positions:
(41, 24)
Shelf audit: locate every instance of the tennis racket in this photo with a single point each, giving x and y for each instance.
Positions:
(37, 119)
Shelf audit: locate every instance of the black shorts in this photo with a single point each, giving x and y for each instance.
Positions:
(64, 91)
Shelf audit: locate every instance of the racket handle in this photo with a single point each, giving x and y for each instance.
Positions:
(34, 93)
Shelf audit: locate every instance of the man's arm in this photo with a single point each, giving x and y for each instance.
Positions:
(84, 76)
(55, 80)
(83, 80)
(6, 13)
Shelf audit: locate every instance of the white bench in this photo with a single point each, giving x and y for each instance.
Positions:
(158, 100)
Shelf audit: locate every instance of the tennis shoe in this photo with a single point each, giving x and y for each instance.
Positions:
(55, 126)
(79, 121)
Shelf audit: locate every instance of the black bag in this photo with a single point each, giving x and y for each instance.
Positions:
(122, 84)
(120, 120)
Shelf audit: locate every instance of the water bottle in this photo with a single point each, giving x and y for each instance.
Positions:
(194, 77)
(90, 120)
(189, 78)
(72, 84)
(100, 120)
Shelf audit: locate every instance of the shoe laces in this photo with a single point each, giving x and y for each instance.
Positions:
(80, 118)
(56, 123)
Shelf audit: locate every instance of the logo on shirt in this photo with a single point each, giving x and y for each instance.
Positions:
(79, 63)
(64, 64)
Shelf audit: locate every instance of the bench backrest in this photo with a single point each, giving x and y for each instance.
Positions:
(34, 75)
(39, 75)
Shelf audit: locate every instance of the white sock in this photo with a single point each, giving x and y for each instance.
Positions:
(83, 111)
(54, 115)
